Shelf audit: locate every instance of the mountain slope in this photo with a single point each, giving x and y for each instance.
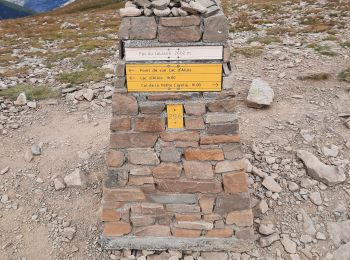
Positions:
(44, 5)
(10, 10)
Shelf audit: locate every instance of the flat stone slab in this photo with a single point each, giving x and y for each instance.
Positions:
(180, 243)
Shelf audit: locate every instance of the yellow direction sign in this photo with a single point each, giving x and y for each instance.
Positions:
(173, 77)
(175, 116)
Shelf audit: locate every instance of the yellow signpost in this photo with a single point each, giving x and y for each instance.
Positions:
(175, 116)
(173, 77)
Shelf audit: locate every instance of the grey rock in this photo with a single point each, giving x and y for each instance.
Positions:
(32, 104)
(59, 183)
(28, 157)
(270, 184)
(130, 12)
(292, 257)
(333, 151)
(263, 207)
(267, 229)
(292, 186)
(260, 94)
(320, 236)
(214, 255)
(342, 253)
(76, 178)
(269, 240)
(316, 198)
(289, 245)
(21, 99)
(197, 6)
(88, 94)
(69, 232)
(143, 156)
(329, 175)
(36, 150)
(308, 225)
(214, 118)
(143, 3)
(4, 170)
(174, 198)
(160, 5)
(162, 13)
(339, 232)
(182, 12)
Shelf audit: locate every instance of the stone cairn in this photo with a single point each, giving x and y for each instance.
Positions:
(184, 188)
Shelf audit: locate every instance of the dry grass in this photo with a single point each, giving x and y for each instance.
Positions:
(15, 72)
(344, 75)
(264, 39)
(249, 52)
(315, 76)
(79, 77)
(32, 92)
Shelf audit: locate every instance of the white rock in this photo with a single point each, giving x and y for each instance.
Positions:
(31, 104)
(260, 94)
(320, 236)
(162, 13)
(330, 175)
(293, 257)
(292, 186)
(263, 207)
(4, 170)
(88, 94)
(267, 241)
(129, 12)
(21, 99)
(76, 178)
(333, 151)
(267, 229)
(28, 157)
(36, 150)
(308, 225)
(342, 253)
(59, 183)
(270, 184)
(315, 198)
(289, 245)
(339, 231)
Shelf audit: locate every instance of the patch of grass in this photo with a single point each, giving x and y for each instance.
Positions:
(83, 76)
(32, 92)
(91, 61)
(344, 75)
(345, 44)
(7, 59)
(317, 28)
(315, 76)
(324, 50)
(264, 39)
(57, 56)
(15, 72)
(242, 23)
(280, 30)
(249, 52)
(330, 38)
(95, 44)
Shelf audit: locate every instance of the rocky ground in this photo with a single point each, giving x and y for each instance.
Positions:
(59, 137)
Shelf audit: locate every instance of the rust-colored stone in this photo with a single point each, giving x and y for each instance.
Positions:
(189, 186)
(206, 203)
(123, 194)
(139, 221)
(194, 109)
(153, 231)
(116, 229)
(120, 124)
(110, 215)
(179, 232)
(194, 123)
(151, 108)
(140, 180)
(226, 105)
(198, 170)
(243, 218)
(167, 171)
(179, 136)
(133, 140)
(188, 217)
(212, 217)
(222, 232)
(115, 158)
(220, 139)
(204, 154)
(152, 209)
(124, 105)
(150, 124)
(235, 182)
(229, 166)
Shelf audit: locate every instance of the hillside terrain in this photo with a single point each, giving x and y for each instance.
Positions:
(10, 10)
(64, 62)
